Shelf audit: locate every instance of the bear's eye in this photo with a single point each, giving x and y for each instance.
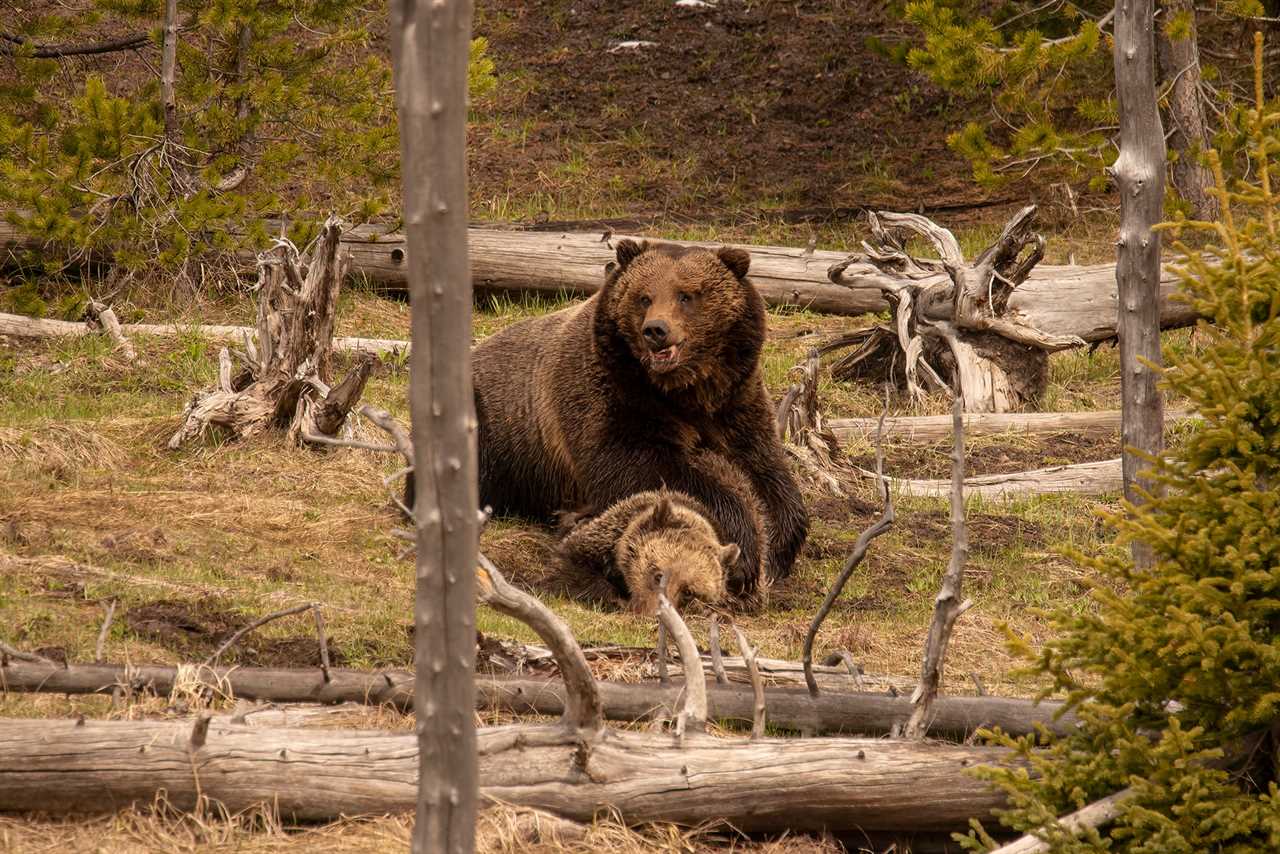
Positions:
(686, 298)
(646, 302)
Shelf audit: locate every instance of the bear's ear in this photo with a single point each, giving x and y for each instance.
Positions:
(628, 251)
(662, 512)
(729, 554)
(737, 260)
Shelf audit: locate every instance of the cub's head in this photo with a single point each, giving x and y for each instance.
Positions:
(684, 314)
(677, 547)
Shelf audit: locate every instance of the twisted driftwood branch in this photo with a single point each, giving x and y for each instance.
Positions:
(582, 710)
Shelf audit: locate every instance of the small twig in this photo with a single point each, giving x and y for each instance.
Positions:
(664, 678)
(261, 621)
(855, 557)
(977, 684)
(399, 435)
(757, 683)
(693, 713)
(582, 709)
(102, 634)
(324, 643)
(947, 606)
(717, 660)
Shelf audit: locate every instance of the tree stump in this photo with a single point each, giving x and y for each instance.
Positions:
(285, 369)
(957, 332)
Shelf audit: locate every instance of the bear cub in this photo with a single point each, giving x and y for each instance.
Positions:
(651, 535)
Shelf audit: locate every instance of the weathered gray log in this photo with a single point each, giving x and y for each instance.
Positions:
(790, 708)
(19, 326)
(1098, 478)
(1139, 174)
(837, 784)
(430, 47)
(1060, 299)
(933, 428)
(1094, 815)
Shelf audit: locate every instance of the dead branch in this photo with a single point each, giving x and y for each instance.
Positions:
(9, 652)
(947, 605)
(11, 45)
(102, 633)
(661, 649)
(693, 715)
(261, 621)
(860, 547)
(582, 712)
(790, 707)
(1094, 815)
(757, 684)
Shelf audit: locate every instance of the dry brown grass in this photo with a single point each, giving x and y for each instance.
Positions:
(499, 830)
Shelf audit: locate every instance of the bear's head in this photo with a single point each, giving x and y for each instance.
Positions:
(676, 547)
(686, 316)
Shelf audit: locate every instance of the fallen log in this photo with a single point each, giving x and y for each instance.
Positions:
(1063, 299)
(19, 326)
(935, 428)
(837, 784)
(1096, 478)
(790, 708)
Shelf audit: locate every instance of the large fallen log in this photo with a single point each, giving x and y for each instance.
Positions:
(67, 766)
(789, 708)
(935, 428)
(1063, 300)
(1097, 478)
(19, 326)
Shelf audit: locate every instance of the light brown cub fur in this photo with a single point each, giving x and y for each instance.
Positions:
(652, 535)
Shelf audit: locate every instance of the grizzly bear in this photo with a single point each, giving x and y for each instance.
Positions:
(651, 536)
(655, 381)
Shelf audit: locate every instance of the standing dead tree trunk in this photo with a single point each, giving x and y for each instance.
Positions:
(1139, 172)
(431, 48)
(169, 71)
(1179, 56)
(283, 379)
(958, 331)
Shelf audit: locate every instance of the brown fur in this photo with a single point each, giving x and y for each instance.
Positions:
(650, 536)
(575, 410)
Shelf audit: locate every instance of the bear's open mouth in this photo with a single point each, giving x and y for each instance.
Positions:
(665, 359)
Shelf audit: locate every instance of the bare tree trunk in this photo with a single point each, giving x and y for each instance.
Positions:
(1180, 71)
(431, 46)
(1139, 172)
(169, 70)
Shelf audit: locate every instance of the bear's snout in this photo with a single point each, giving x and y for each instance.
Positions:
(655, 333)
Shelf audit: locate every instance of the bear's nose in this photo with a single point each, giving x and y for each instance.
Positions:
(655, 332)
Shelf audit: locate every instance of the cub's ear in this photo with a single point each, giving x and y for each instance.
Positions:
(662, 512)
(628, 251)
(729, 554)
(737, 260)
